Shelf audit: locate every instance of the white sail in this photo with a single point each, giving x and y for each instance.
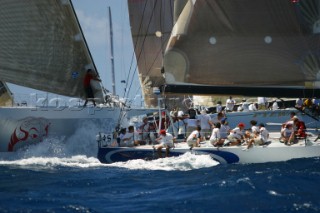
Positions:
(244, 48)
(42, 46)
(228, 47)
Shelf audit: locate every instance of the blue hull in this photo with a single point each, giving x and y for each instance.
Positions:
(110, 154)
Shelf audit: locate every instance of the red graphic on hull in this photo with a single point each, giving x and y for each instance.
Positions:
(29, 131)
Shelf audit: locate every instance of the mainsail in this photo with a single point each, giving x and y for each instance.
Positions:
(247, 47)
(42, 46)
(242, 47)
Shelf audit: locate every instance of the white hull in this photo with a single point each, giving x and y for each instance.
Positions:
(274, 152)
(20, 126)
(272, 118)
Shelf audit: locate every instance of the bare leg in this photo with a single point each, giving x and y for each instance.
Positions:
(250, 144)
(159, 152)
(167, 152)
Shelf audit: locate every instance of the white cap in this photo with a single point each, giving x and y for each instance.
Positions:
(180, 114)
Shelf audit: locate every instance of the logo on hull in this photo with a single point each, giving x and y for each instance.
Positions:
(29, 131)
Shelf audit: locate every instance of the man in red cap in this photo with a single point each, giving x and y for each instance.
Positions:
(236, 135)
(166, 141)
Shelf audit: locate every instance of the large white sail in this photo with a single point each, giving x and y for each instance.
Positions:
(224, 47)
(42, 46)
(230, 46)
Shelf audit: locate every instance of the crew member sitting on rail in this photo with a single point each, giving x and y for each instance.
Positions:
(300, 131)
(254, 130)
(122, 133)
(166, 141)
(224, 129)
(261, 138)
(215, 138)
(236, 135)
(195, 138)
(287, 134)
(131, 138)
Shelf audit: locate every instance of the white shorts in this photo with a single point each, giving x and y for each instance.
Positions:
(126, 143)
(258, 141)
(167, 145)
(192, 142)
(233, 139)
(164, 145)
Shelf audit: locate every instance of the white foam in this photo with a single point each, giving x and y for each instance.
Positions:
(38, 163)
(80, 151)
(187, 161)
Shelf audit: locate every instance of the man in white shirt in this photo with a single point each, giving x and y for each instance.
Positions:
(260, 139)
(194, 138)
(299, 103)
(224, 129)
(204, 120)
(219, 107)
(252, 107)
(131, 138)
(245, 105)
(275, 105)
(262, 103)
(236, 135)
(166, 141)
(215, 138)
(230, 104)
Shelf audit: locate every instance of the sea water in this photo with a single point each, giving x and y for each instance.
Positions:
(63, 175)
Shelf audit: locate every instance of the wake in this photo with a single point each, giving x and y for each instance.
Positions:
(80, 151)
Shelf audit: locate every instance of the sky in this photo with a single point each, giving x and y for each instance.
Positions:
(94, 19)
(93, 16)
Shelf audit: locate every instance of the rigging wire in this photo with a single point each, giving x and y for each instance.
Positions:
(135, 46)
(144, 39)
(130, 69)
(163, 40)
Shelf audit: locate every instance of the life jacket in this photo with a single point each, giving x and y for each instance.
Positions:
(301, 129)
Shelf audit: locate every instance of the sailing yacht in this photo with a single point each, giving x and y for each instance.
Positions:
(252, 48)
(43, 48)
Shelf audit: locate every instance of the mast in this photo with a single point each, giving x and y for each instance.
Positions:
(112, 57)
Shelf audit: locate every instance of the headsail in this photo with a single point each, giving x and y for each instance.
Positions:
(228, 47)
(151, 24)
(42, 46)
